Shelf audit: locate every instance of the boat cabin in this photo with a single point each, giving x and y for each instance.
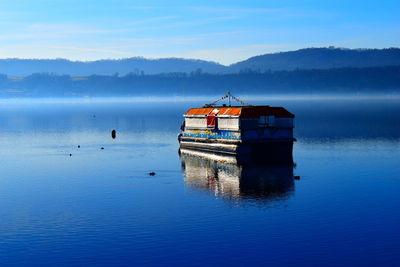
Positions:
(239, 122)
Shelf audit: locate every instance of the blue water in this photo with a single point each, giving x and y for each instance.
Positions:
(100, 206)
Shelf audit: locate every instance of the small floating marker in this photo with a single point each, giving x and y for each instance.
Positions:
(152, 173)
(70, 155)
(113, 134)
(296, 177)
(102, 148)
(79, 146)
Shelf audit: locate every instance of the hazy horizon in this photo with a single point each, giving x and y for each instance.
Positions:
(194, 59)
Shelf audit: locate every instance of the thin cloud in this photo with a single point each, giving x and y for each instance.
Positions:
(204, 21)
(72, 52)
(234, 10)
(151, 20)
(186, 39)
(278, 12)
(181, 24)
(142, 7)
(74, 29)
(191, 23)
(86, 49)
(54, 31)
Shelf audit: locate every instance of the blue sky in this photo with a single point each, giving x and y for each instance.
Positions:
(222, 31)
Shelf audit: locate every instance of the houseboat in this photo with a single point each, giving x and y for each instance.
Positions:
(256, 133)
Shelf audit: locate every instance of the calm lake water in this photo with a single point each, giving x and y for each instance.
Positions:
(101, 206)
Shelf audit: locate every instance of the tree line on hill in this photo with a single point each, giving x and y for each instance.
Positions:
(335, 80)
(308, 58)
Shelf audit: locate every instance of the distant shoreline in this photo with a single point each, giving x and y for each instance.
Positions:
(203, 99)
(383, 80)
(304, 59)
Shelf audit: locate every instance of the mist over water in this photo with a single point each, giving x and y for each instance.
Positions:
(100, 206)
(202, 99)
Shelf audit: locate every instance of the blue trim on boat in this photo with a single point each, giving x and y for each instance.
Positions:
(213, 136)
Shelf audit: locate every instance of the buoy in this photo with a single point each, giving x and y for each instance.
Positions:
(102, 148)
(79, 146)
(152, 173)
(70, 154)
(113, 134)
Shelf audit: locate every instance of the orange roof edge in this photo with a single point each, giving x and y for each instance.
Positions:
(244, 112)
(234, 111)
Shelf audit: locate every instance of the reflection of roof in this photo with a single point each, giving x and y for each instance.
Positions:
(243, 112)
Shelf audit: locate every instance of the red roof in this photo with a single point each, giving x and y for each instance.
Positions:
(243, 112)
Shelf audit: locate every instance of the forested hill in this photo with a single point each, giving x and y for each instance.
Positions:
(309, 58)
(340, 80)
(136, 65)
(321, 58)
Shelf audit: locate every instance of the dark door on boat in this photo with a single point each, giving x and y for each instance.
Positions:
(211, 120)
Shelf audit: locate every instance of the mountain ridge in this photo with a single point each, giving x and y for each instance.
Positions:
(306, 58)
(321, 58)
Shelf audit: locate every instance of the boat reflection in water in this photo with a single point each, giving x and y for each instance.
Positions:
(227, 178)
